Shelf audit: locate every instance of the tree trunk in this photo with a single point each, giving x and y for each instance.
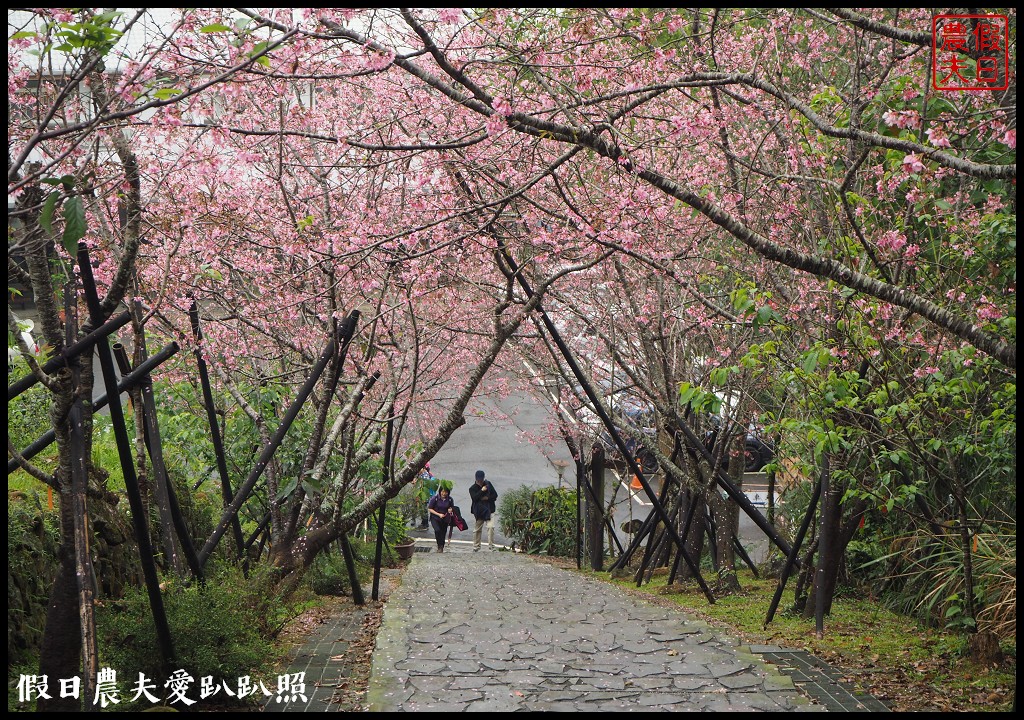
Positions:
(60, 649)
(725, 554)
(85, 575)
(831, 549)
(693, 505)
(595, 524)
(985, 650)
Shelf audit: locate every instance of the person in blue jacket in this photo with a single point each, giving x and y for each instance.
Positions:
(483, 495)
(439, 508)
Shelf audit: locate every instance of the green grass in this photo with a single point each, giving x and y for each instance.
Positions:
(884, 651)
(20, 481)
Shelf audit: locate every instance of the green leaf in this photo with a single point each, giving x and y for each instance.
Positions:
(215, 28)
(167, 93)
(22, 35)
(68, 181)
(686, 392)
(764, 315)
(107, 17)
(810, 362)
(74, 225)
(288, 489)
(719, 377)
(312, 486)
(741, 301)
(46, 216)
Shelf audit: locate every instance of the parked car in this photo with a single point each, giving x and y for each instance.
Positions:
(756, 451)
(641, 422)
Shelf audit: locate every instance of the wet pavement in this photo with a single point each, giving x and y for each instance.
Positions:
(499, 631)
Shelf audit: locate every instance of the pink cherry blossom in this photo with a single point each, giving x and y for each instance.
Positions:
(912, 163)
(937, 137)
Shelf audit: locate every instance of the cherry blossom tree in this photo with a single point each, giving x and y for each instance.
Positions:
(753, 202)
(803, 155)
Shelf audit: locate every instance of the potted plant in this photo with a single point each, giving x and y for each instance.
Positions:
(423, 488)
(405, 547)
(396, 531)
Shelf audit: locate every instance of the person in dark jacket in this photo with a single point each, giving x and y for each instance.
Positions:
(439, 508)
(483, 495)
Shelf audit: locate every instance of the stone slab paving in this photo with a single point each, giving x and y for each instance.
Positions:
(322, 661)
(819, 680)
(497, 631)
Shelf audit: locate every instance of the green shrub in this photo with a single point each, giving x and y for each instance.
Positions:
(28, 414)
(28, 417)
(328, 574)
(407, 505)
(33, 535)
(394, 525)
(934, 587)
(222, 629)
(541, 520)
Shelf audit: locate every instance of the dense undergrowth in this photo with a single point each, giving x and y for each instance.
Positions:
(225, 631)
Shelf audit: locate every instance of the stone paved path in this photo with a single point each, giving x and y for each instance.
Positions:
(328, 658)
(496, 631)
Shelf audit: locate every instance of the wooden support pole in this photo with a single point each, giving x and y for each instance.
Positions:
(71, 352)
(44, 440)
(693, 502)
(824, 547)
(131, 480)
(744, 555)
(634, 467)
(793, 552)
(231, 512)
(346, 331)
(579, 519)
(595, 510)
(697, 447)
(353, 576)
(177, 518)
(385, 473)
(151, 437)
(211, 417)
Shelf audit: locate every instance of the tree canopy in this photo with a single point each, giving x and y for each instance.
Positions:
(772, 204)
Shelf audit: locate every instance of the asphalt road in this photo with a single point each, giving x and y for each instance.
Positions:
(510, 461)
(498, 448)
